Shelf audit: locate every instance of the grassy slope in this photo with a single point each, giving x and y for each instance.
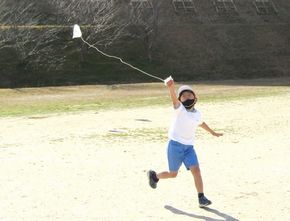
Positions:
(31, 101)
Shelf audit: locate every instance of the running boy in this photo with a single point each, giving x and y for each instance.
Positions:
(181, 140)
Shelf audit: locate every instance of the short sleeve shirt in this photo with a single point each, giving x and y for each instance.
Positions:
(184, 125)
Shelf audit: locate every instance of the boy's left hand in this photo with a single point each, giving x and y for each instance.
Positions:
(217, 134)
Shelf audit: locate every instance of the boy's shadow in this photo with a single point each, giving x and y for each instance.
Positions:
(225, 217)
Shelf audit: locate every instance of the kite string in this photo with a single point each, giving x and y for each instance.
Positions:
(120, 59)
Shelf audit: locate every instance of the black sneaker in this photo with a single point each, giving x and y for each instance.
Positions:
(152, 178)
(203, 202)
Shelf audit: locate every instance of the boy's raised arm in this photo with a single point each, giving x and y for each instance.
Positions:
(171, 88)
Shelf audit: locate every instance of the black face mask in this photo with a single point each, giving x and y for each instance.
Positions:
(189, 103)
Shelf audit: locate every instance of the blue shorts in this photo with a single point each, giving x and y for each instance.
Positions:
(178, 153)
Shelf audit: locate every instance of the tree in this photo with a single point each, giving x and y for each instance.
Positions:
(40, 31)
(145, 19)
(103, 20)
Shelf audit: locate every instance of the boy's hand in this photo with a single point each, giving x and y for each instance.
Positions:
(217, 134)
(169, 82)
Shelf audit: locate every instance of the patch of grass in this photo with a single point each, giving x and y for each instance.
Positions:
(232, 94)
(27, 109)
(33, 101)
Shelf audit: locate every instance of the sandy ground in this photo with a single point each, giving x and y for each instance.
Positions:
(92, 166)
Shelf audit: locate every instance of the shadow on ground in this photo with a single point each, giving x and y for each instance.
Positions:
(225, 217)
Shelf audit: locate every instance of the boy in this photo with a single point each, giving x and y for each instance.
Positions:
(181, 140)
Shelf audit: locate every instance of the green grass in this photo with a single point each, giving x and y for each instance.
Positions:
(34, 101)
(26, 109)
(246, 93)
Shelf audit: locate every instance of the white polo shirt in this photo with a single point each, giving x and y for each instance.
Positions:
(184, 125)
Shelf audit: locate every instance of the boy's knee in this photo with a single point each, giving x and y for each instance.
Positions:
(195, 170)
(173, 174)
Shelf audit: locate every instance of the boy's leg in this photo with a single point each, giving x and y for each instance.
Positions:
(191, 163)
(166, 175)
(197, 178)
(175, 156)
(154, 178)
(203, 201)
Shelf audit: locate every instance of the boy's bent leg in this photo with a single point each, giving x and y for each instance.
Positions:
(166, 175)
(154, 178)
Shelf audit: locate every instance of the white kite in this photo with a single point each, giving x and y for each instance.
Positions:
(77, 33)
